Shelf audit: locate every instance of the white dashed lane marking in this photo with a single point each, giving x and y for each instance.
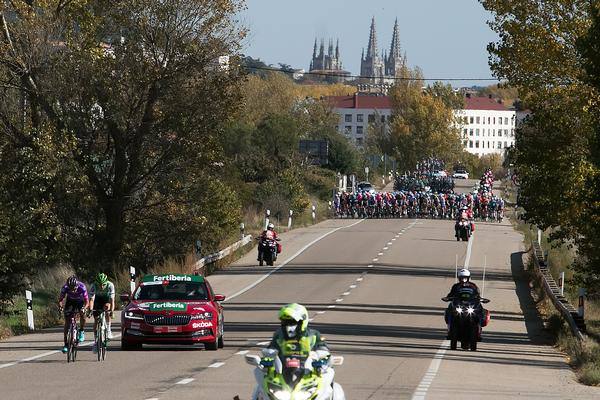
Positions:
(345, 293)
(185, 381)
(216, 365)
(352, 286)
(375, 259)
(242, 352)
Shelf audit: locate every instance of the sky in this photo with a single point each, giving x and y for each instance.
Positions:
(445, 38)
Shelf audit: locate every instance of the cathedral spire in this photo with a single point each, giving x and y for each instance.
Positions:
(337, 49)
(322, 49)
(395, 47)
(315, 50)
(372, 49)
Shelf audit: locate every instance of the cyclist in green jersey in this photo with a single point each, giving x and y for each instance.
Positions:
(102, 297)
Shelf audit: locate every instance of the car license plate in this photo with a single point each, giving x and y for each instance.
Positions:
(167, 329)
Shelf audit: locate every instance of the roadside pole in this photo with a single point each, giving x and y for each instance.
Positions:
(290, 219)
(267, 215)
(562, 283)
(314, 213)
(131, 279)
(29, 299)
(242, 229)
(581, 310)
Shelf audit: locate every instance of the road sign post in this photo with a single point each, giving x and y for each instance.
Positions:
(29, 299)
(314, 213)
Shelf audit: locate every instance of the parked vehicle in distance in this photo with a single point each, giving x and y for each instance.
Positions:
(365, 187)
(460, 174)
(440, 174)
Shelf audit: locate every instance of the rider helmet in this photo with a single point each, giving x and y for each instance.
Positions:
(270, 227)
(101, 279)
(294, 320)
(464, 275)
(72, 282)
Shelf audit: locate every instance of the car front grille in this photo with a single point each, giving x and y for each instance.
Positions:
(165, 320)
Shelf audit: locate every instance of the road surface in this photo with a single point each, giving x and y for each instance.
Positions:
(373, 289)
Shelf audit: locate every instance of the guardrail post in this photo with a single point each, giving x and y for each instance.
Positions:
(383, 180)
(29, 299)
(267, 215)
(314, 213)
(581, 309)
(131, 279)
(290, 219)
(242, 228)
(562, 283)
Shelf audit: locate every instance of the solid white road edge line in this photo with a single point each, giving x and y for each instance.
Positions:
(302, 250)
(421, 390)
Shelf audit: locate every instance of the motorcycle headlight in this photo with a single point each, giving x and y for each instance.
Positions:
(281, 394)
(306, 394)
(470, 310)
(459, 310)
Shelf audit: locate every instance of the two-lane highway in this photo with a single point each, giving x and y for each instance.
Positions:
(373, 289)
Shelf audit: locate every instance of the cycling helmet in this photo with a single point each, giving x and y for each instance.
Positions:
(270, 226)
(72, 282)
(101, 279)
(464, 275)
(294, 320)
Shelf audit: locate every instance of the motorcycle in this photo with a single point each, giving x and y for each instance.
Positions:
(463, 230)
(466, 316)
(268, 249)
(296, 378)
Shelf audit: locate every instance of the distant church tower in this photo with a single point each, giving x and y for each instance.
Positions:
(326, 62)
(382, 68)
(371, 64)
(394, 62)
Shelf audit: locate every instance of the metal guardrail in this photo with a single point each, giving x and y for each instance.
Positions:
(569, 313)
(211, 258)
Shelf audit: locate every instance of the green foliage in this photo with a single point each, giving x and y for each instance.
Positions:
(284, 192)
(549, 52)
(112, 145)
(422, 123)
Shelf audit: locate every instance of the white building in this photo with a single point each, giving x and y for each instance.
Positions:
(486, 125)
(357, 112)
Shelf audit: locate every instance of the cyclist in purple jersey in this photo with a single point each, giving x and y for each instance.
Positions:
(75, 296)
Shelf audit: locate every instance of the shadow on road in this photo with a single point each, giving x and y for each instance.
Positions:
(533, 320)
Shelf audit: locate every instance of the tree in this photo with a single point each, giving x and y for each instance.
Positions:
(135, 90)
(422, 123)
(549, 52)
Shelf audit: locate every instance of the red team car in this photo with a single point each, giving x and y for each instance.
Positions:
(172, 309)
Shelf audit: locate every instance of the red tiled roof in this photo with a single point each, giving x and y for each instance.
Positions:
(371, 102)
(484, 103)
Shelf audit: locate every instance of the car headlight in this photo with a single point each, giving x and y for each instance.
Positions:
(206, 315)
(133, 315)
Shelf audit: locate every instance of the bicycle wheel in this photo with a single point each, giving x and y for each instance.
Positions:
(69, 344)
(99, 342)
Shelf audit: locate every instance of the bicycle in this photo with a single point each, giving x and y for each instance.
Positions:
(72, 339)
(101, 335)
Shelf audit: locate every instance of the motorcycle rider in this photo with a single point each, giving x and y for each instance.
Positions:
(270, 234)
(294, 338)
(463, 215)
(464, 288)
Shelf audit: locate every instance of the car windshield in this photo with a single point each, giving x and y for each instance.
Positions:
(172, 291)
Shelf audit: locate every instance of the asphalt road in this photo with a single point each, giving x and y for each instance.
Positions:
(373, 289)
